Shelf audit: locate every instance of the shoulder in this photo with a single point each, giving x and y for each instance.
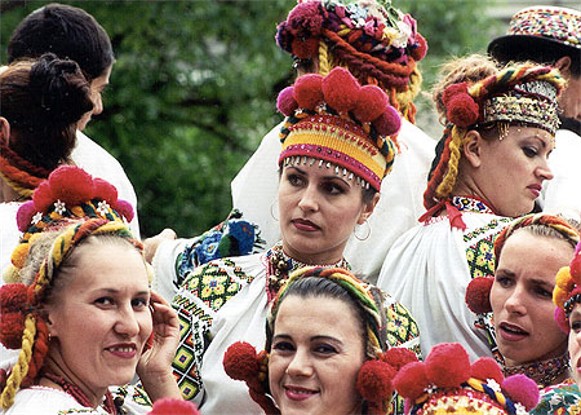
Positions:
(48, 401)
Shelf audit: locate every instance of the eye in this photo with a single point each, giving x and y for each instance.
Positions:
(334, 188)
(575, 325)
(325, 349)
(504, 281)
(295, 179)
(530, 151)
(104, 301)
(541, 292)
(140, 303)
(283, 346)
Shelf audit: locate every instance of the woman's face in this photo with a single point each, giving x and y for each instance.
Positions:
(521, 297)
(511, 171)
(575, 343)
(100, 319)
(317, 351)
(97, 87)
(318, 212)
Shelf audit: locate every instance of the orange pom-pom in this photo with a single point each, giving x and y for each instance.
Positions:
(173, 406)
(398, 357)
(448, 365)
(19, 255)
(341, 90)
(241, 361)
(371, 103)
(411, 380)
(374, 380)
(486, 368)
(478, 295)
(308, 91)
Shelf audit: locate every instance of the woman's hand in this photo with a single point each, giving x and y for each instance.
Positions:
(154, 367)
(150, 245)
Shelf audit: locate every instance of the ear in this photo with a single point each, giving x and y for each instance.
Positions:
(4, 131)
(563, 64)
(472, 148)
(368, 209)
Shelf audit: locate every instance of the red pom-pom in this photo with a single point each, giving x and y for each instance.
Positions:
(486, 368)
(306, 19)
(374, 381)
(43, 197)
(478, 295)
(125, 209)
(453, 90)
(12, 297)
(173, 406)
(411, 380)
(11, 328)
(575, 267)
(388, 123)
(308, 91)
(371, 103)
(448, 365)
(341, 90)
(419, 52)
(24, 215)
(398, 357)
(286, 102)
(104, 190)
(520, 388)
(241, 361)
(462, 111)
(561, 320)
(305, 48)
(71, 185)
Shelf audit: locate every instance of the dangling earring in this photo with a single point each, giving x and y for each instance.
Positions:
(367, 233)
(273, 207)
(502, 130)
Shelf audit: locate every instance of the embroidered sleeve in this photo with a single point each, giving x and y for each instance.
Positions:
(561, 399)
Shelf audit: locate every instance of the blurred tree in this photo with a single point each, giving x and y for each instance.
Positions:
(194, 85)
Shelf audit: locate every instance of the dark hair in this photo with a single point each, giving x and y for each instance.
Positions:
(43, 101)
(68, 32)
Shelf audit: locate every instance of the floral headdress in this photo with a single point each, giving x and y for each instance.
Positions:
(333, 120)
(375, 41)
(446, 383)
(374, 380)
(75, 206)
(567, 291)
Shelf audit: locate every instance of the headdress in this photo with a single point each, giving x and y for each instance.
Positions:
(241, 362)
(522, 95)
(375, 41)
(535, 27)
(446, 383)
(336, 122)
(567, 291)
(75, 206)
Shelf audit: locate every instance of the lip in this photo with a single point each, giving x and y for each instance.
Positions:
(298, 393)
(305, 225)
(512, 332)
(123, 350)
(535, 189)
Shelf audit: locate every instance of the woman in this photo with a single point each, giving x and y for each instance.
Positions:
(41, 103)
(489, 167)
(529, 253)
(82, 311)
(331, 168)
(447, 383)
(325, 349)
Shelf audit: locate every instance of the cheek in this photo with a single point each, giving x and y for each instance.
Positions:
(497, 298)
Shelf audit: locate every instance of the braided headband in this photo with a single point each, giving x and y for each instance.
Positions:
(446, 383)
(478, 290)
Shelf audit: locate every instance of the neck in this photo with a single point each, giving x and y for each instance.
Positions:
(468, 187)
(551, 371)
(7, 193)
(309, 259)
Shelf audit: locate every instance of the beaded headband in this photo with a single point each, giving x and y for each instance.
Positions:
(336, 122)
(446, 383)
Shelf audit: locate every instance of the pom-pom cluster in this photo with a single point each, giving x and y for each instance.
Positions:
(461, 108)
(447, 370)
(173, 406)
(567, 291)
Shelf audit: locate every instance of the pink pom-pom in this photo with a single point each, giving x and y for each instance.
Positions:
(448, 365)
(286, 102)
(24, 215)
(398, 357)
(308, 91)
(421, 49)
(104, 190)
(486, 368)
(371, 103)
(71, 185)
(43, 197)
(374, 380)
(241, 361)
(341, 90)
(575, 268)
(561, 320)
(306, 19)
(388, 123)
(478, 295)
(520, 388)
(124, 208)
(173, 406)
(411, 380)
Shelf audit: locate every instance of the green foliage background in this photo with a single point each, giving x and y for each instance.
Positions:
(194, 86)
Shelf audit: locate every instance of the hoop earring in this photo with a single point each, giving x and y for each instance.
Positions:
(367, 233)
(273, 206)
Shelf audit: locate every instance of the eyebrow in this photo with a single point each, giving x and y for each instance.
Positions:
(326, 177)
(313, 338)
(117, 291)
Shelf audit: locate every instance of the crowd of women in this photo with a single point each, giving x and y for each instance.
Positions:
(365, 269)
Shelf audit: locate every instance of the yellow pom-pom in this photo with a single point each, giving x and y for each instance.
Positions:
(78, 211)
(559, 297)
(563, 279)
(19, 255)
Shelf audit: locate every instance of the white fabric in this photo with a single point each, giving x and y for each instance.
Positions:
(562, 194)
(9, 233)
(427, 271)
(49, 401)
(254, 190)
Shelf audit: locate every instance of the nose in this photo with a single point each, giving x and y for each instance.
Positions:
(97, 103)
(515, 303)
(127, 323)
(544, 171)
(309, 199)
(300, 365)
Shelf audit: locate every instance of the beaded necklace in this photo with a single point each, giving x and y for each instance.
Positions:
(109, 404)
(545, 372)
(279, 265)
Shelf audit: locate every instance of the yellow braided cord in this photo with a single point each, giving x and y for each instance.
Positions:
(445, 188)
(324, 58)
(20, 370)
(22, 191)
(477, 385)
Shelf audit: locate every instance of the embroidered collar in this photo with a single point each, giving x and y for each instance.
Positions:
(470, 204)
(545, 373)
(279, 266)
